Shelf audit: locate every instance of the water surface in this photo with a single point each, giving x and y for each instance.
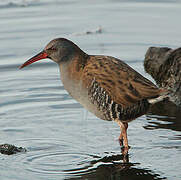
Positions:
(63, 140)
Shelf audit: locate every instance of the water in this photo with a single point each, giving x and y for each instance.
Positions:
(63, 140)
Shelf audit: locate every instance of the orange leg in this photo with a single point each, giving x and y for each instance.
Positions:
(123, 140)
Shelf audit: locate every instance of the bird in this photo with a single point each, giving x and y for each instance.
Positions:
(104, 85)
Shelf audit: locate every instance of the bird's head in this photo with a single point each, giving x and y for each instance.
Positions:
(59, 50)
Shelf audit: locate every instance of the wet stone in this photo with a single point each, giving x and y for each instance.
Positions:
(9, 149)
(164, 65)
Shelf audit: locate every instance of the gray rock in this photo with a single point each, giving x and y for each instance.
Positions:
(164, 65)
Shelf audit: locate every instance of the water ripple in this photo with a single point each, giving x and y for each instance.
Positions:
(55, 157)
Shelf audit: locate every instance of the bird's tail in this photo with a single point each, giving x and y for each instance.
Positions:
(171, 95)
(164, 94)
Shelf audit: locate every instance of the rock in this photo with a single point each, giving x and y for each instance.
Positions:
(164, 65)
(10, 149)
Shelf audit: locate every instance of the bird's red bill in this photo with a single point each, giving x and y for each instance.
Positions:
(39, 56)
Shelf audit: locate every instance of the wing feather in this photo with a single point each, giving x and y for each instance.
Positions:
(124, 85)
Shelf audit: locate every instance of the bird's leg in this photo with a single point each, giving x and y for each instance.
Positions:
(120, 139)
(123, 140)
(123, 128)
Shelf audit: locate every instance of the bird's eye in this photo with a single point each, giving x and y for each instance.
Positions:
(52, 49)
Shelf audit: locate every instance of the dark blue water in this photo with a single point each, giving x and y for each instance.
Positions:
(63, 140)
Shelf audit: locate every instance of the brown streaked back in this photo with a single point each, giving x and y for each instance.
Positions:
(123, 84)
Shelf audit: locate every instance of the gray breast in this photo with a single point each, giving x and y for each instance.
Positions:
(79, 93)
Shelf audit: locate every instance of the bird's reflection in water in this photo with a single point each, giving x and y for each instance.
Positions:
(164, 112)
(113, 167)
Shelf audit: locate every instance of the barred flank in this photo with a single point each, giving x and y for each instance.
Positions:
(112, 110)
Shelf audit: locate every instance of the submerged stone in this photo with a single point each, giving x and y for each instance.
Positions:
(10, 149)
